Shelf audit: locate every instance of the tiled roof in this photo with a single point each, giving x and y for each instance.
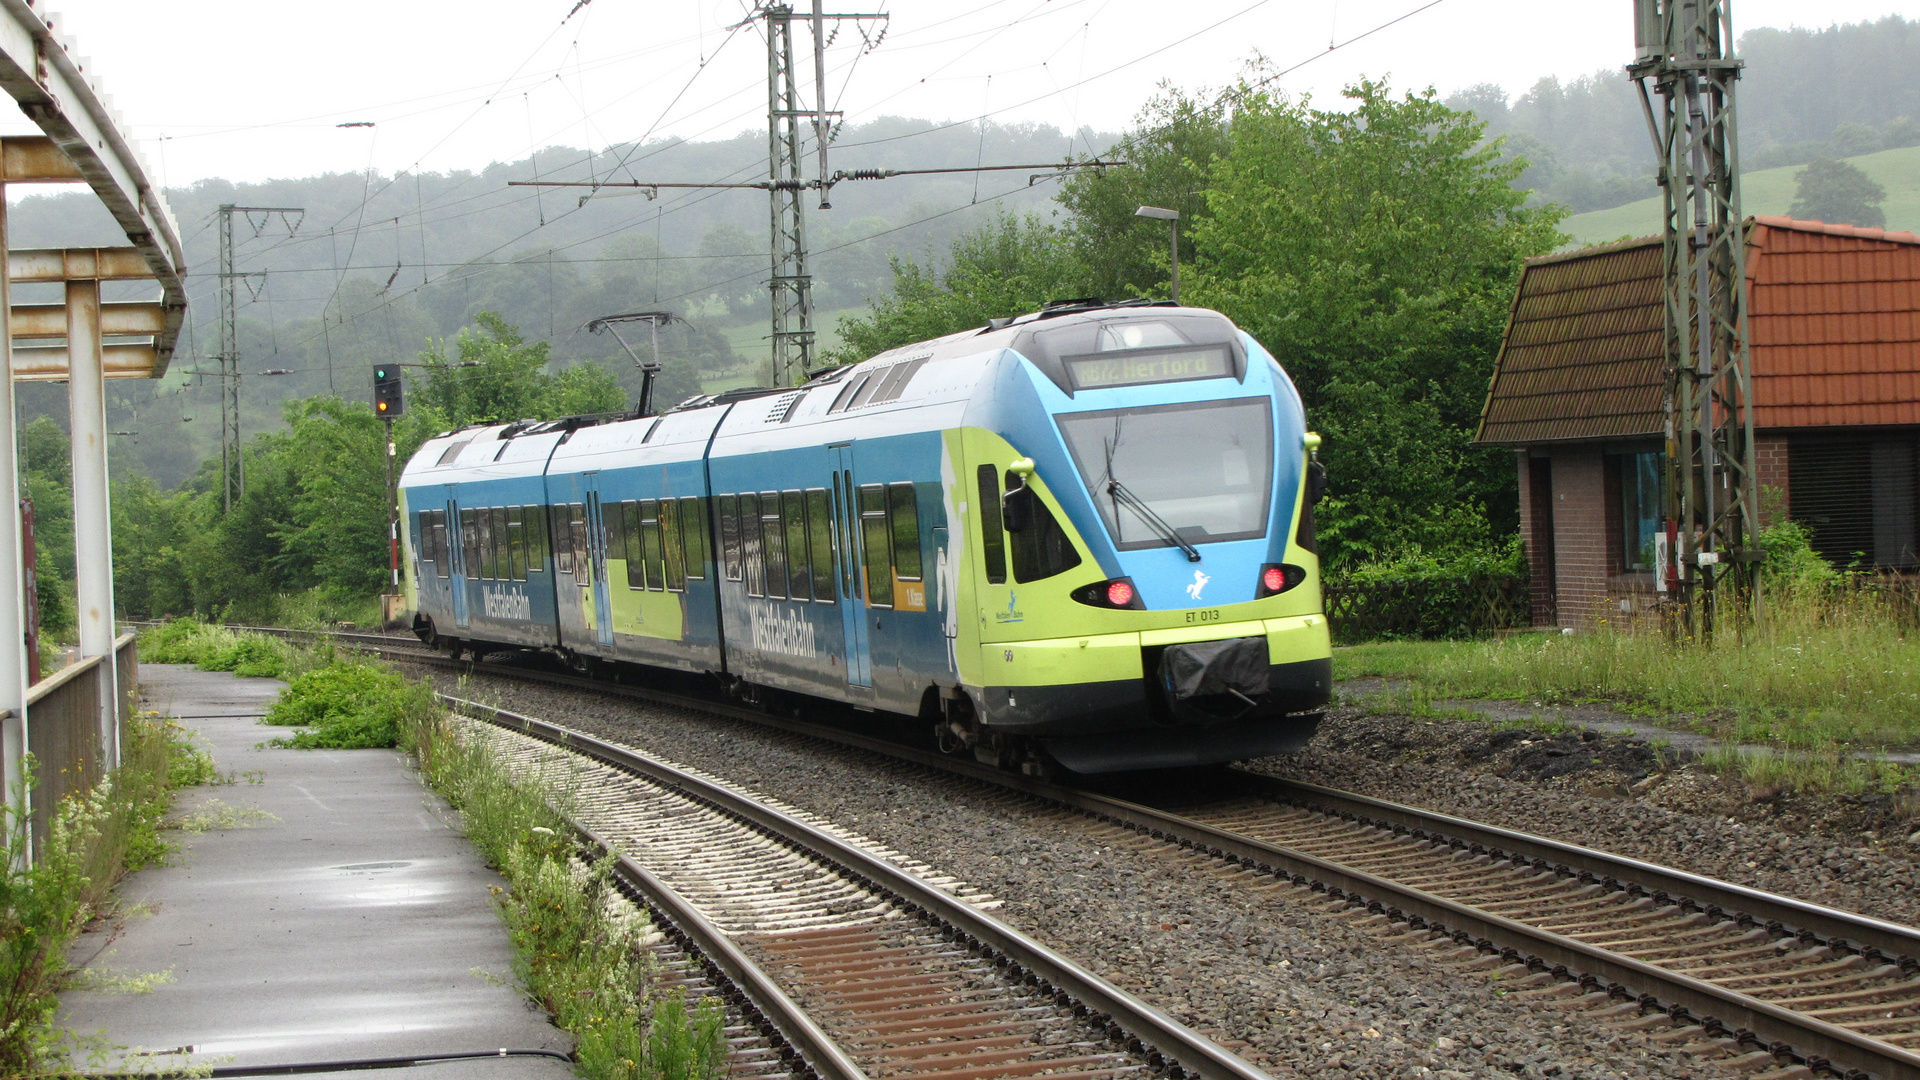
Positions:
(1584, 350)
(1833, 323)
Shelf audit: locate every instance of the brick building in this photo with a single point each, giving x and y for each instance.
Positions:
(1578, 392)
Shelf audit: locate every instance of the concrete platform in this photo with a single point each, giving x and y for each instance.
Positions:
(355, 922)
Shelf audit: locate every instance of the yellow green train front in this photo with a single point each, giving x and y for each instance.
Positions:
(1138, 566)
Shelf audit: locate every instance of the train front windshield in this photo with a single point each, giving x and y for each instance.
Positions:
(1205, 470)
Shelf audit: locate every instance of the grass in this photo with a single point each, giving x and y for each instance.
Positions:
(214, 647)
(349, 704)
(577, 942)
(1767, 192)
(1831, 673)
(96, 839)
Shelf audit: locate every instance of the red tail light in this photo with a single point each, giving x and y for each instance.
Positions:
(1276, 578)
(1112, 593)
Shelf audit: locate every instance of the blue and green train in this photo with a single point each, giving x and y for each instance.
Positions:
(1083, 536)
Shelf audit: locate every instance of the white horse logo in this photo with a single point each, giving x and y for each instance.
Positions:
(1200, 580)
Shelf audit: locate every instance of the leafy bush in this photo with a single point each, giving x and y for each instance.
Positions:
(212, 647)
(178, 642)
(348, 706)
(1416, 595)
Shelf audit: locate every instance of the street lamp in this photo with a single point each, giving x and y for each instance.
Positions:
(1172, 218)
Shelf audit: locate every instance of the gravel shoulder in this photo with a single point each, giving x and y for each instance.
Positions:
(1295, 990)
(1620, 793)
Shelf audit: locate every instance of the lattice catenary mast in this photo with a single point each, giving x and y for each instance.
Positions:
(791, 284)
(1685, 62)
(232, 471)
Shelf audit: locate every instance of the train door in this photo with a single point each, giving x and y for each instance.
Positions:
(853, 603)
(597, 557)
(457, 559)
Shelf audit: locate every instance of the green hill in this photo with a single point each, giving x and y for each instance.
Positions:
(1769, 191)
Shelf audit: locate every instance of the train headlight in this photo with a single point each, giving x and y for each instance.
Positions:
(1117, 593)
(1276, 578)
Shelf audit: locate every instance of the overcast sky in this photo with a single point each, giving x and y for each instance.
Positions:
(250, 91)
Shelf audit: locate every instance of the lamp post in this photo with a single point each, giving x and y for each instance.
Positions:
(1172, 218)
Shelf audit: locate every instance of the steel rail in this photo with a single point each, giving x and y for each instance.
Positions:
(1876, 939)
(1749, 1019)
(1162, 1040)
(707, 942)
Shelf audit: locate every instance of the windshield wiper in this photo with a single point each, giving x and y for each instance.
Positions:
(1125, 497)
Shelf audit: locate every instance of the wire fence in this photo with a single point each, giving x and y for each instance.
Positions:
(1437, 606)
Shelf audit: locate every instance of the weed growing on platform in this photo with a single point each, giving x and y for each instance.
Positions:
(349, 705)
(578, 942)
(94, 840)
(212, 647)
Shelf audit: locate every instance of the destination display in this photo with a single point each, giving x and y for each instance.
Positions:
(1100, 371)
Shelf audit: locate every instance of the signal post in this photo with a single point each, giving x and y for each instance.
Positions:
(389, 401)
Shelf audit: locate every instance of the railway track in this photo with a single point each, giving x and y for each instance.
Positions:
(1765, 981)
(851, 961)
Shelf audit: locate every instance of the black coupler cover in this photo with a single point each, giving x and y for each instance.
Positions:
(1214, 681)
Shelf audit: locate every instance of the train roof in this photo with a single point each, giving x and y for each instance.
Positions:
(944, 371)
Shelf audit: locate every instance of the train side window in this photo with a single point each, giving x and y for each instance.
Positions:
(750, 543)
(502, 546)
(730, 537)
(469, 542)
(905, 517)
(650, 552)
(820, 538)
(486, 542)
(773, 544)
(873, 535)
(993, 536)
(693, 528)
(793, 508)
(614, 533)
(629, 549)
(435, 540)
(670, 545)
(516, 544)
(1041, 549)
(577, 539)
(536, 532)
(563, 548)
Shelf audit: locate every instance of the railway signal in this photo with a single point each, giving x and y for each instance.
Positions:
(388, 399)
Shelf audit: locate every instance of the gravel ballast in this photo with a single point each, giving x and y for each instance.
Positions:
(1294, 989)
(1613, 792)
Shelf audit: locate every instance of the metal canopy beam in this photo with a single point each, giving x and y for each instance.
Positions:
(50, 320)
(50, 363)
(39, 73)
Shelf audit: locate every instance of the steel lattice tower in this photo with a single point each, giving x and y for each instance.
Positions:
(1686, 75)
(791, 284)
(230, 467)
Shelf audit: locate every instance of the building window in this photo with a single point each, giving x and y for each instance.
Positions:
(1642, 509)
(1857, 496)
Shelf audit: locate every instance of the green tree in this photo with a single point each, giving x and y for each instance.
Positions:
(495, 375)
(1837, 192)
(1009, 267)
(1374, 253)
(1169, 157)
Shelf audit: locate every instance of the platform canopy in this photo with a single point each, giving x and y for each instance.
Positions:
(83, 143)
